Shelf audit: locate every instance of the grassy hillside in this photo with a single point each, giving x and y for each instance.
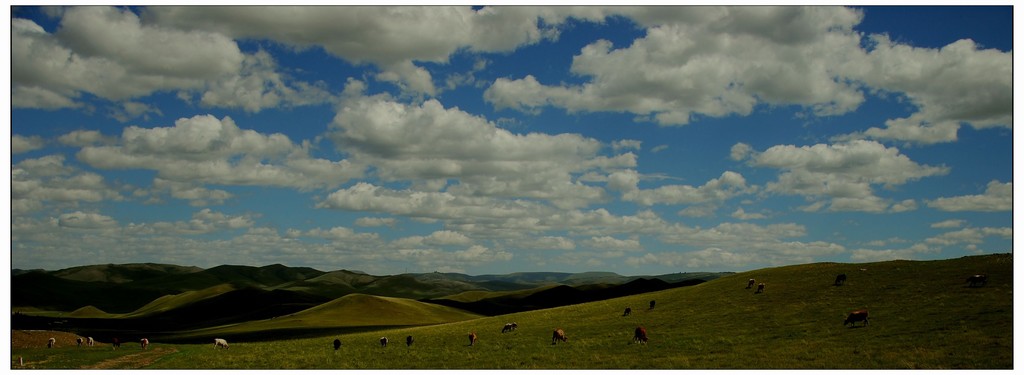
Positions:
(123, 273)
(105, 286)
(500, 303)
(88, 312)
(140, 289)
(479, 295)
(331, 284)
(923, 315)
(351, 311)
(173, 301)
(44, 291)
(367, 310)
(271, 275)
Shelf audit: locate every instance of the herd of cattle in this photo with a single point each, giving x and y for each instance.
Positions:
(88, 341)
(639, 334)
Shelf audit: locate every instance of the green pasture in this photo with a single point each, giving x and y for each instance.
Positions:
(922, 315)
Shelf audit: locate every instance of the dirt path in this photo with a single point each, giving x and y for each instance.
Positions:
(134, 361)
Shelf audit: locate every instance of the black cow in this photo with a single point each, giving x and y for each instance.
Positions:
(977, 280)
(627, 312)
(337, 344)
(509, 327)
(856, 316)
(760, 288)
(652, 305)
(408, 340)
(840, 279)
(383, 342)
(750, 283)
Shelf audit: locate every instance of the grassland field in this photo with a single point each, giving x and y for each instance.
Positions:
(923, 315)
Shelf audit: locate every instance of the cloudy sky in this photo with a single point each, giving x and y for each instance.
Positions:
(639, 140)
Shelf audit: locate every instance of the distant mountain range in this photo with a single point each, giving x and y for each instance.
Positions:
(124, 288)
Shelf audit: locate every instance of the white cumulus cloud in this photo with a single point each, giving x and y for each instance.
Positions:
(998, 196)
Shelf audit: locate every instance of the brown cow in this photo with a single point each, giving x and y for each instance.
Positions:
(750, 283)
(472, 338)
(558, 334)
(144, 342)
(977, 280)
(760, 288)
(640, 335)
(116, 343)
(856, 316)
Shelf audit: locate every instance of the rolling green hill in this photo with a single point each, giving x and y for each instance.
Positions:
(922, 315)
(107, 287)
(367, 310)
(123, 273)
(89, 312)
(479, 295)
(499, 303)
(174, 301)
(353, 311)
(131, 290)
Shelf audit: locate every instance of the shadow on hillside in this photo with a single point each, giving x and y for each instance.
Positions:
(560, 296)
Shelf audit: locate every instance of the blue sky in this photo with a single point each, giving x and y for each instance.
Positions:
(639, 140)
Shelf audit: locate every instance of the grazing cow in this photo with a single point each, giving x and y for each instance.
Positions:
(977, 280)
(627, 312)
(116, 342)
(383, 342)
(652, 305)
(472, 338)
(51, 342)
(557, 335)
(640, 335)
(408, 340)
(220, 343)
(856, 316)
(337, 344)
(507, 328)
(760, 288)
(840, 279)
(79, 342)
(89, 341)
(750, 283)
(144, 342)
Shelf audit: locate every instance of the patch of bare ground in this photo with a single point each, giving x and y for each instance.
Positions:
(134, 361)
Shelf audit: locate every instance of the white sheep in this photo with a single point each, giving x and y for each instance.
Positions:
(219, 343)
